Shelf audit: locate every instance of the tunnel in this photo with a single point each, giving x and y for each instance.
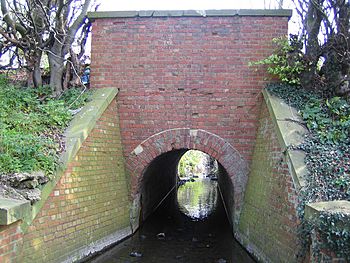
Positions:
(161, 231)
(166, 233)
(153, 166)
(159, 185)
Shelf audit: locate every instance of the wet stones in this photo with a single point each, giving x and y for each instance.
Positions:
(161, 236)
(136, 254)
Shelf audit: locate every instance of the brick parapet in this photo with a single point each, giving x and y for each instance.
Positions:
(185, 72)
(191, 13)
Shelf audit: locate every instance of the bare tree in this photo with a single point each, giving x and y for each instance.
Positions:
(326, 36)
(37, 27)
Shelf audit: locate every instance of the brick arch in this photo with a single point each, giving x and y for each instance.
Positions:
(196, 139)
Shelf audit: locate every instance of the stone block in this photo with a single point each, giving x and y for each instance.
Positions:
(12, 210)
(313, 210)
(163, 13)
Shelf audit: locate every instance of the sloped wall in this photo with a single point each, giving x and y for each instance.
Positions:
(88, 208)
(268, 223)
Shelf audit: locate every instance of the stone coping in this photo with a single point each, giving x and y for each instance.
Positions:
(290, 132)
(78, 130)
(191, 13)
(313, 210)
(12, 210)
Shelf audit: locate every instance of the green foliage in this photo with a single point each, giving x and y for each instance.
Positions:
(188, 162)
(26, 153)
(334, 231)
(329, 118)
(75, 98)
(30, 126)
(3, 80)
(286, 62)
(327, 149)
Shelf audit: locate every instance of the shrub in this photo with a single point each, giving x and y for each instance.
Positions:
(286, 62)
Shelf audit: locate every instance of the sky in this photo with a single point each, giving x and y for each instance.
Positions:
(112, 5)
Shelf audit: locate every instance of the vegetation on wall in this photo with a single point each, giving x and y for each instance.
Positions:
(315, 69)
(31, 126)
(286, 62)
(327, 148)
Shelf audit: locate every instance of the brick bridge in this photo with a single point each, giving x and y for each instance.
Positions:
(184, 83)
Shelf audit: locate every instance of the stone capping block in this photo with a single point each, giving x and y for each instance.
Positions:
(191, 13)
(12, 210)
(313, 210)
(85, 121)
(75, 135)
(290, 132)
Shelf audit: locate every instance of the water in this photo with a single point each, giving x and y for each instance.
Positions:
(172, 237)
(198, 199)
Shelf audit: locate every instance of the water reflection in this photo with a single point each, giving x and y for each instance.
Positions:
(171, 237)
(175, 233)
(197, 198)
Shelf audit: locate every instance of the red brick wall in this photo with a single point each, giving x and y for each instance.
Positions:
(185, 72)
(269, 222)
(10, 241)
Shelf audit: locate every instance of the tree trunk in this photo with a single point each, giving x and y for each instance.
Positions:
(312, 24)
(34, 71)
(37, 79)
(67, 76)
(77, 69)
(56, 73)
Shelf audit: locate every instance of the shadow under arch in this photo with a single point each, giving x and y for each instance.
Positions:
(178, 141)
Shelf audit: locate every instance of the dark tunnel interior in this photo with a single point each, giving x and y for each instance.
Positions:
(159, 184)
(166, 234)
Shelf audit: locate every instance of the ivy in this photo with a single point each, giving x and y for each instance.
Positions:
(327, 148)
(334, 234)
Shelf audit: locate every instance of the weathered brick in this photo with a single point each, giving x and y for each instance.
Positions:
(86, 192)
(269, 219)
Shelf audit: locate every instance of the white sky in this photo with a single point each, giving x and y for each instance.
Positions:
(112, 5)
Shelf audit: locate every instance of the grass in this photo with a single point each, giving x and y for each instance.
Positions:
(31, 127)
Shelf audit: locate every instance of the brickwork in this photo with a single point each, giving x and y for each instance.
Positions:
(184, 84)
(269, 221)
(89, 203)
(185, 72)
(177, 139)
(10, 241)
